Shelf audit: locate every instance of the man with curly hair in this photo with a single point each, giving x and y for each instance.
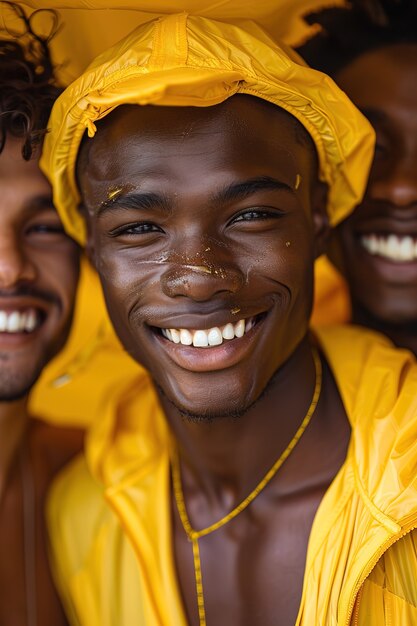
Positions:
(370, 49)
(38, 280)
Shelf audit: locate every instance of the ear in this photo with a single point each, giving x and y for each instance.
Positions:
(321, 221)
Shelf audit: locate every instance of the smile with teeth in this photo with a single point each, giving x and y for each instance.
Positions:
(19, 321)
(206, 338)
(393, 247)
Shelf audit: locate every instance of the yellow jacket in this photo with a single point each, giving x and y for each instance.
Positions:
(109, 516)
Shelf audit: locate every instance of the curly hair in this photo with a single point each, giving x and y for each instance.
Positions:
(360, 26)
(28, 87)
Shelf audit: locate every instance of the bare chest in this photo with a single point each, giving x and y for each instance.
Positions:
(27, 593)
(253, 567)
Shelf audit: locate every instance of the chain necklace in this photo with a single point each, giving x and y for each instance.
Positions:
(194, 535)
(29, 535)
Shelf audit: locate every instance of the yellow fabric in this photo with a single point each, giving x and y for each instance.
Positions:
(331, 295)
(99, 24)
(109, 517)
(181, 60)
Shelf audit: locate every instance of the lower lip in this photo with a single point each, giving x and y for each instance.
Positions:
(211, 359)
(14, 340)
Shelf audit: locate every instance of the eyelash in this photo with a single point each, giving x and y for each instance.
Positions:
(257, 214)
(140, 228)
(46, 228)
(143, 228)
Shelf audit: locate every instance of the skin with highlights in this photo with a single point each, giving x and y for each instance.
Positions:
(38, 279)
(198, 240)
(376, 247)
(38, 274)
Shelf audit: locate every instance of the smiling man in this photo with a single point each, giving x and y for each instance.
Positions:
(376, 247)
(228, 493)
(38, 279)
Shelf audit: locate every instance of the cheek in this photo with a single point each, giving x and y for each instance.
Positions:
(126, 280)
(59, 268)
(286, 257)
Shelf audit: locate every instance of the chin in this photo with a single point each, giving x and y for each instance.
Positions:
(210, 402)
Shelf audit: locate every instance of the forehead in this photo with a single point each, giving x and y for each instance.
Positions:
(243, 134)
(21, 182)
(385, 78)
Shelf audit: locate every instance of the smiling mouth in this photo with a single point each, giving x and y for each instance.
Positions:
(400, 249)
(210, 337)
(20, 321)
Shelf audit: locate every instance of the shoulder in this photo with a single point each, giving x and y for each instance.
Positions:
(378, 383)
(75, 507)
(373, 376)
(75, 512)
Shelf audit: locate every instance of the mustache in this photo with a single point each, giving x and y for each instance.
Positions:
(29, 291)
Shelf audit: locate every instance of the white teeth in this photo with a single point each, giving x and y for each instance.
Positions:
(175, 335)
(186, 337)
(393, 247)
(30, 321)
(228, 332)
(18, 321)
(240, 328)
(13, 322)
(211, 337)
(215, 337)
(3, 321)
(249, 324)
(200, 339)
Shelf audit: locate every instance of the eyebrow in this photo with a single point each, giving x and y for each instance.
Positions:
(135, 200)
(244, 189)
(236, 191)
(43, 201)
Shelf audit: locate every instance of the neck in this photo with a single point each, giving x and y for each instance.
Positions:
(13, 424)
(403, 335)
(233, 454)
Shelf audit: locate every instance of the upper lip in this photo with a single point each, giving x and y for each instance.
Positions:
(386, 218)
(388, 226)
(198, 321)
(19, 303)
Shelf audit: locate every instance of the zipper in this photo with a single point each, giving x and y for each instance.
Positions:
(353, 612)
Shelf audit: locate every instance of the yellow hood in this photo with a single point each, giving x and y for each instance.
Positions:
(182, 60)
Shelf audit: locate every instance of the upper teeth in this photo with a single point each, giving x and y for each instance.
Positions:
(391, 246)
(208, 337)
(18, 321)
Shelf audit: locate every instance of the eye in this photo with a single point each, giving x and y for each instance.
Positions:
(255, 215)
(138, 228)
(46, 229)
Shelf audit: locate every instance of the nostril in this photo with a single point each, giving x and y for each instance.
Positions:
(200, 282)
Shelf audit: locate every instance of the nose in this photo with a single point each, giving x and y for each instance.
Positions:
(201, 281)
(397, 186)
(15, 267)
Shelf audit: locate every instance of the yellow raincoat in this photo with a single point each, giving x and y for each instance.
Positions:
(115, 565)
(110, 521)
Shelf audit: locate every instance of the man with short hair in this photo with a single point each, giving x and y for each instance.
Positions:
(376, 247)
(38, 280)
(259, 474)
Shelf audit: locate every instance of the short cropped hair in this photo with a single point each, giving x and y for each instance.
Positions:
(28, 88)
(361, 26)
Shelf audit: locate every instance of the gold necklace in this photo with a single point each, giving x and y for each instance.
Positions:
(194, 535)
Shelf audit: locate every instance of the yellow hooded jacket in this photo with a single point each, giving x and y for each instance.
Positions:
(115, 565)
(109, 515)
